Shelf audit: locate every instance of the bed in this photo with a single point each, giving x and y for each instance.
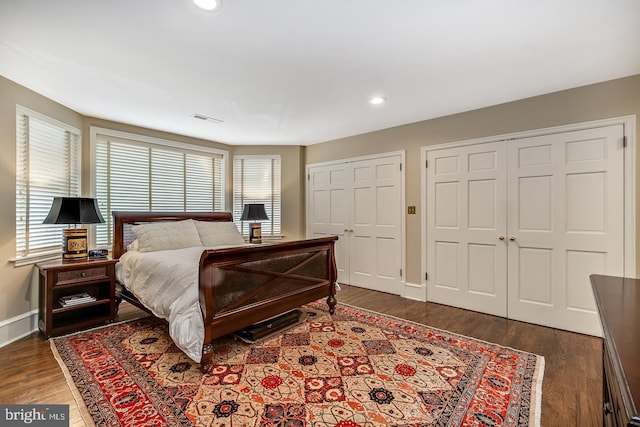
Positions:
(237, 285)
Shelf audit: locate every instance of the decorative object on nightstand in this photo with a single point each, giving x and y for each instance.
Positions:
(98, 253)
(254, 212)
(74, 210)
(75, 295)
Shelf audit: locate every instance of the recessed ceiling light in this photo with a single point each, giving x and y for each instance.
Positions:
(377, 100)
(208, 5)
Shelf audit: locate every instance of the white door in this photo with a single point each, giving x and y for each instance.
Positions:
(519, 238)
(376, 238)
(566, 221)
(360, 201)
(328, 210)
(466, 225)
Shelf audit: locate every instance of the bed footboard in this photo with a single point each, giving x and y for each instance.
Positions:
(243, 286)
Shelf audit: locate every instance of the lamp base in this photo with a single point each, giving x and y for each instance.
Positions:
(74, 244)
(255, 232)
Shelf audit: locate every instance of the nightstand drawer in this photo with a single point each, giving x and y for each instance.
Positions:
(75, 276)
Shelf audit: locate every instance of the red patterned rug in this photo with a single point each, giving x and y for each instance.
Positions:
(357, 368)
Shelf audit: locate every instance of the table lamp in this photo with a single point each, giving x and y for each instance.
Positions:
(74, 210)
(254, 212)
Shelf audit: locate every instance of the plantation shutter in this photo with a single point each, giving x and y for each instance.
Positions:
(47, 166)
(142, 176)
(256, 179)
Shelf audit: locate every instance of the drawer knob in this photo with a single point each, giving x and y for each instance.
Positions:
(83, 274)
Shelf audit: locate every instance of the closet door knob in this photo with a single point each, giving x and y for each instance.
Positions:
(512, 238)
(501, 238)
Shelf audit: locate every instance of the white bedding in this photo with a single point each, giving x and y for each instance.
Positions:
(166, 282)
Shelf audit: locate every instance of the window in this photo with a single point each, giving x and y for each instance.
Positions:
(47, 166)
(138, 173)
(256, 179)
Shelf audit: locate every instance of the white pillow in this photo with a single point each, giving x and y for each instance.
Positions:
(133, 246)
(218, 233)
(161, 236)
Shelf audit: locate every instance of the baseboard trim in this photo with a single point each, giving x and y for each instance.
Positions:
(18, 327)
(415, 291)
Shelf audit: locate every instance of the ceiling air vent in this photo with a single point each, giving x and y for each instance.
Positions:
(206, 118)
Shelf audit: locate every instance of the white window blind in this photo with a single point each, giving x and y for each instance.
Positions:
(256, 179)
(47, 166)
(135, 175)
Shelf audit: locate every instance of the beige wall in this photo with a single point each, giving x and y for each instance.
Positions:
(599, 101)
(605, 100)
(16, 295)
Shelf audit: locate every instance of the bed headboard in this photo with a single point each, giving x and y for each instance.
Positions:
(124, 220)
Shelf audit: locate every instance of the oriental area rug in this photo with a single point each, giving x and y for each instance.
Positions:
(355, 368)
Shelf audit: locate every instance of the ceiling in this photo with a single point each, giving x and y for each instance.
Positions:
(302, 71)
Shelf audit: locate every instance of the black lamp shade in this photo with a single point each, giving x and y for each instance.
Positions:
(254, 212)
(74, 210)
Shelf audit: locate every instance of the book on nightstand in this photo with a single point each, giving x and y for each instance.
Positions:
(75, 299)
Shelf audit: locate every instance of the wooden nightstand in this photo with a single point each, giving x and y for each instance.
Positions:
(60, 279)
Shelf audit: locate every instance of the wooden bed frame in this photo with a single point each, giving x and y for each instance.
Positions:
(244, 285)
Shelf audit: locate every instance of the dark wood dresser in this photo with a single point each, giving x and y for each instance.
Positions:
(618, 301)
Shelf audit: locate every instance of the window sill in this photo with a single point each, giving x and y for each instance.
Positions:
(35, 258)
(266, 239)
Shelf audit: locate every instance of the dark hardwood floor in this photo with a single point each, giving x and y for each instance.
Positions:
(571, 390)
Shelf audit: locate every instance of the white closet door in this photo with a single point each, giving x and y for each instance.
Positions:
(329, 210)
(360, 201)
(466, 227)
(566, 216)
(376, 234)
